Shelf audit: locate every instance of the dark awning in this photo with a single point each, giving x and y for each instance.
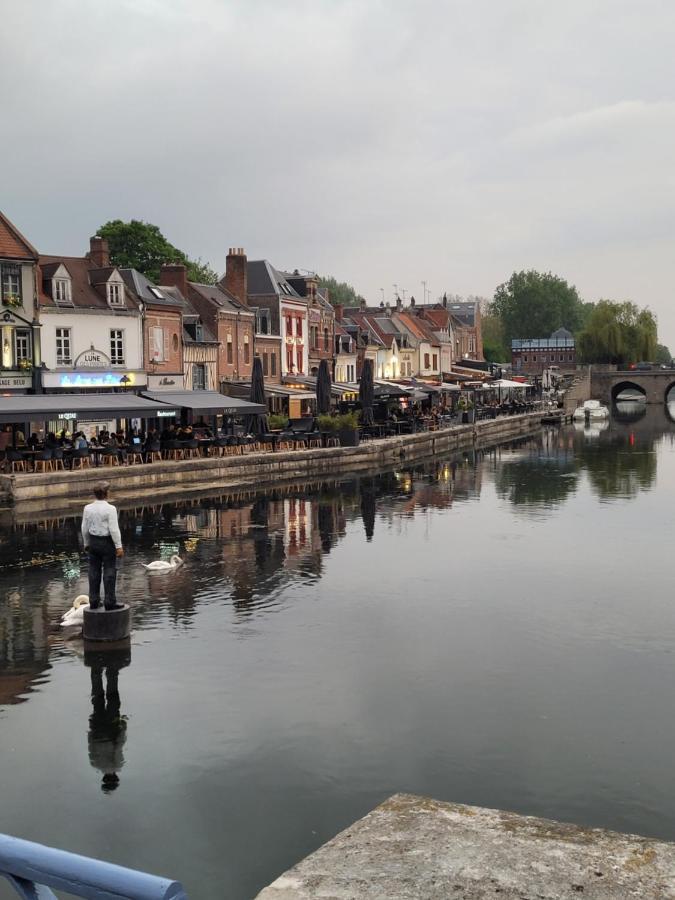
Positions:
(207, 402)
(35, 407)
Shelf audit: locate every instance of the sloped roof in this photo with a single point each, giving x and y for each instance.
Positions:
(84, 294)
(263, 278)
(149, 292)
(464, 311)
(219, 297)
(13, 245)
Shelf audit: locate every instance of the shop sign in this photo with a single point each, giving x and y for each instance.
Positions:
(92, 359)
(165, 382)
(16, 381)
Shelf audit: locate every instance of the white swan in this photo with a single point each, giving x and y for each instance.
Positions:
(162, 565)
(75, 615)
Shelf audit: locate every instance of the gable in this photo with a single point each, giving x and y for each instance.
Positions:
(13, 245)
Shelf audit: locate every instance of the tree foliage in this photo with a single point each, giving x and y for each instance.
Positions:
(494, 345)
(534, 304)
(141, 245)
(340, 293)
(662, 355)
(617, 333)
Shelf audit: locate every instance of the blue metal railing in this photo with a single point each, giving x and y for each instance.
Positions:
(33, 869)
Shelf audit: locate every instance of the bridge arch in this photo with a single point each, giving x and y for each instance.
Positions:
(627, 385)
(669, 388)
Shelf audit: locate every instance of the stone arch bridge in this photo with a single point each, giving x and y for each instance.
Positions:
(654, 384)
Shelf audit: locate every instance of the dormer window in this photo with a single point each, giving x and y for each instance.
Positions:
(62, 291)
(115, 293)
(11, 284)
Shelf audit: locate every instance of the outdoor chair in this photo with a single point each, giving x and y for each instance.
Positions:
(154, 452)
(173, 450)
(43, 463)
(109, 457)
(332, 441)
(315, 441)
(57, 460)
(285, 441)
(135, 456)
(191, 450)
(15, 460)
(81, 459)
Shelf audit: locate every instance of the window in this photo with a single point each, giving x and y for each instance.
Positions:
(435, 358)
(273, 363)
(22, 344)
(534, 357)
(198, 377)
(561, 358)
(570, 357)
(11, 284)
(230, 357)
(62, 292)
(115, 293)
(157, 344)
(117, 346)
(524, 359)
(325, 339)
(314, 337)
(298, 355)
(289, 326)
(156, 293)
(289, 359)
(262, 321)
(298, 327)
(247, 351)
(265, 364)
(63, 347)
(426, 360)
(174, 343)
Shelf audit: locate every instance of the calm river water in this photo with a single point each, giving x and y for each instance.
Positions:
(497, 630)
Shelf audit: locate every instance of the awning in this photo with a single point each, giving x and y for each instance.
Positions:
(505, 383)
(36, 407)
(207, 402)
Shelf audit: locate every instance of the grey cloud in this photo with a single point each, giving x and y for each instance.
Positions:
(379, 140)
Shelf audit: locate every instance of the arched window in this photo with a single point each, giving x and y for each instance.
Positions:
(247, 351)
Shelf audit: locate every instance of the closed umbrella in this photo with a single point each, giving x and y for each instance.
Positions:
(257, 424)
(323, 389)
(367, 393)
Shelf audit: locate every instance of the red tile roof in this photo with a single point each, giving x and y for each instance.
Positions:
(13, 245)
(84, 276)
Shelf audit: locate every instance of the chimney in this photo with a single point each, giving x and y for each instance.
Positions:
(445, 301)
(363, 306)
(399, 304)
(388, 308)
(98, 252)
(174, 275)
(236, 274)
(339, 311)
(412, 303)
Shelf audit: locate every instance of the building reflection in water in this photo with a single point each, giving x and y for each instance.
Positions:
(107, 733)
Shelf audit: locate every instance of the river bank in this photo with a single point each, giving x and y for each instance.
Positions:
(58, 491)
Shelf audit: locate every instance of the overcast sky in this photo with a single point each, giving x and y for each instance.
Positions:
(380, 141)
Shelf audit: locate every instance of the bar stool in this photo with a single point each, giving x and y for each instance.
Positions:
(81, 459)
(16, 460)
(332, 442)
(43, 463)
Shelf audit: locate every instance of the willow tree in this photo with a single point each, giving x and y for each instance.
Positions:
(618, 333)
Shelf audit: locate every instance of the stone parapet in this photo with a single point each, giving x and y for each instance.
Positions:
(412, 847)
(58, 490)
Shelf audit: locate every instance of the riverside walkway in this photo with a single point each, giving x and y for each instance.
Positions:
(413, 848)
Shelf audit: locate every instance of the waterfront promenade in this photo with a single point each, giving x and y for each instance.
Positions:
(55, 491)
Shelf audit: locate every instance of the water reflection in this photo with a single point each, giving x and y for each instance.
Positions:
(107, 733)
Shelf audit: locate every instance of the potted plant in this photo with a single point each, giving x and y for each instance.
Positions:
(348, 429)
(278, 422)
(13, 301)
(25, 365)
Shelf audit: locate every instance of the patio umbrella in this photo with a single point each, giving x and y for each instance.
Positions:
(367, 392)
(257, 424)
(323, 389)
(368, 506)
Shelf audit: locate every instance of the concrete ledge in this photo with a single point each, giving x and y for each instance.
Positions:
(54, 490)
(412, 847)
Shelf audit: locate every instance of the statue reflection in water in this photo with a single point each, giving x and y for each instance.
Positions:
(107, 726)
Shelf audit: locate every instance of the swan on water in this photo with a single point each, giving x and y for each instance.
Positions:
(75, 615)
(162, 565)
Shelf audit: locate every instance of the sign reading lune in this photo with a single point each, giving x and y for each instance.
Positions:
(92, 359)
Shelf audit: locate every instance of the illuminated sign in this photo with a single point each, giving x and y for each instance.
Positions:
(97, 379)
(69, 415)
(168, 412)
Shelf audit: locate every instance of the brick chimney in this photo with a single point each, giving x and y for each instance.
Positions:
(235, 279)
(339, 312)
(174, 275)
(98, 252)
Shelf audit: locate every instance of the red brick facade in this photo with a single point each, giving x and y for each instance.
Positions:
(162, 340)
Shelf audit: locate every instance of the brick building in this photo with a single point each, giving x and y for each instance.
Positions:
(320, 317)
(532, 356)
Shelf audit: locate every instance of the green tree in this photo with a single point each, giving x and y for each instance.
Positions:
(534, 304)
(141, 245)
(340, 293)
(617, 333)
(662, 355)
(494, 345)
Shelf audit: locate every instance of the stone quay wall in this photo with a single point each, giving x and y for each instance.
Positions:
(52, 491)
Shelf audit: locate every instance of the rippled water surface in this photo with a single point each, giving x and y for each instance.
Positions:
(497, 630)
